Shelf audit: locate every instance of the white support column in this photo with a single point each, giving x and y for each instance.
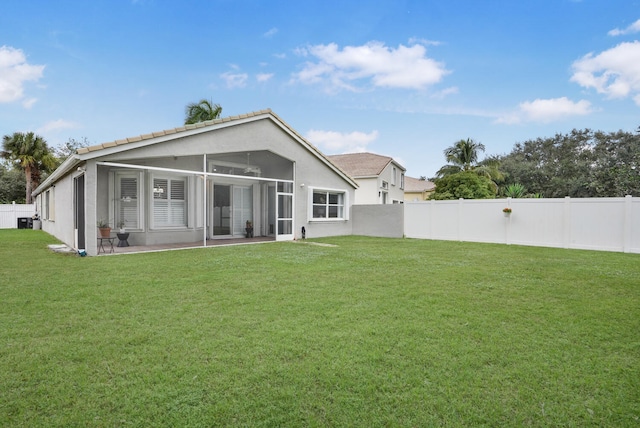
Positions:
(204, 200)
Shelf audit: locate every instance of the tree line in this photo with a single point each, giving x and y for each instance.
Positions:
(579, 164)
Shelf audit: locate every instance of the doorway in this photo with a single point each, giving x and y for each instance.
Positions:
(232, 209)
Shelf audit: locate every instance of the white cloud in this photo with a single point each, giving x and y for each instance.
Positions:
(379, 65)
(29, 102)
(425, 42)
(263, 77)
(633, 28)
(272, 32)
(57, 125)
(338, 142)
(235, 80)
(14, 72)
(614, 72)
(446, 92)
(546, 110)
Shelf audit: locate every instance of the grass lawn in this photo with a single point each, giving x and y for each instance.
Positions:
(371, 332)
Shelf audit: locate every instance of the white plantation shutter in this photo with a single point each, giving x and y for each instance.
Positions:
(128, 211)
(177, 203)
(169, 202)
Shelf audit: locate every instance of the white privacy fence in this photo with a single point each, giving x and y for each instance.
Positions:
(608, 224)
(9, 214)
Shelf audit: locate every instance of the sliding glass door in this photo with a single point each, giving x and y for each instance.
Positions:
(232, 208)
(221, 218)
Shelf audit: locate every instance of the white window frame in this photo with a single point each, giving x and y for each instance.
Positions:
(185, 202)
(394, 173)
(46, 204)
(402, 180)
(345, 205)
(138, 176)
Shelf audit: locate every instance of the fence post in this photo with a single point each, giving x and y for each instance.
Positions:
(460, 202)
(507, 226)
(626, 225)
(431, 215)
(566, 224)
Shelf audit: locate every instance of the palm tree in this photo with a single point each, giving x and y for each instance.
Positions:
(462, 156)
(30, 153)
(202, 111)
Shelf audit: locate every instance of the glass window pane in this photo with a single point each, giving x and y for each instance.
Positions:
(285, 187)
(285, 206)
(285, 227)
(160, 188)
(319, 211)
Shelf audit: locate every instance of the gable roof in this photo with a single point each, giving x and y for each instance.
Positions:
(415, 185)
(86, 153)
(182, 131)
(363, 164)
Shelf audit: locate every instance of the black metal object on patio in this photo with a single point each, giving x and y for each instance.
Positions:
(25, 223)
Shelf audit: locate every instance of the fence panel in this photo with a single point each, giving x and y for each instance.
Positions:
(607, 224)
(9, 214)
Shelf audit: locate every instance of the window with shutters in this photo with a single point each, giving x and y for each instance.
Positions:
(127, 198)
(169, 202)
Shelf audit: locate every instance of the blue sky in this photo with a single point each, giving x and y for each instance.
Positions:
(400, 78)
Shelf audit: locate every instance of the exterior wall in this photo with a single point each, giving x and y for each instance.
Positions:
(607, 224)
(395, 192)
(370, 188)
(61, 222)
(385, 221)
(417, 196)
(9, 214)
(367, 192)
(414, 196)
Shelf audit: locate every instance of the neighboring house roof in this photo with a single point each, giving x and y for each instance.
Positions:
(415, 185)
(108, 148)
(360, 165)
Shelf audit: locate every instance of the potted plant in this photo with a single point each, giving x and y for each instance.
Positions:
(121, 224)
(249, 229)
(506, 211)
(104, 227)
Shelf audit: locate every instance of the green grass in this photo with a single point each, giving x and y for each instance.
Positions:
(372, 332)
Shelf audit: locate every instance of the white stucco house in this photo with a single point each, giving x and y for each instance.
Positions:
(198, 183)
(380, 179)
